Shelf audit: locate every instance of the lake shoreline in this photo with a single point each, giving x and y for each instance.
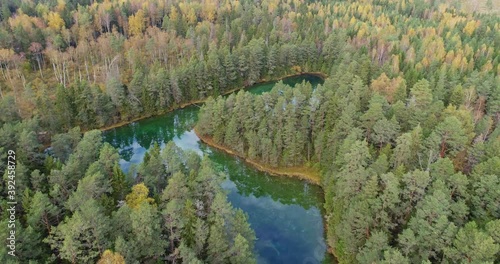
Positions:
(311, 177)
(321, 75)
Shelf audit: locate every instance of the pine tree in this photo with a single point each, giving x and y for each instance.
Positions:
(172, 157)
(370, 117)
(42, 214)
(472, 245)
(433, 231)
(217, 242)
(83, 237)
(63, 144)
(174, 222)
(374, 248)
(146, 241)
(187, 255)
(448, 137)
(394, 256)
(240, 251)
(152, 170)
(419, 101)
(64, 107)
(385, 131)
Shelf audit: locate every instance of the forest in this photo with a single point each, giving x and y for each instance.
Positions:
(71, 211)
(404, 131)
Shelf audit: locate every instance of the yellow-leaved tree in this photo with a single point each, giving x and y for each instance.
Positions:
(110, 257)
(138, 195)
(136, 23)
(54, 21)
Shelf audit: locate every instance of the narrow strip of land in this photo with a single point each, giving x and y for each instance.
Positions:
(308, 174)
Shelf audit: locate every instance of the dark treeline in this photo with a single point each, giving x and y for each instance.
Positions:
(79, 207)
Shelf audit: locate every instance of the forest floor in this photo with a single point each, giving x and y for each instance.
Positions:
(305, 173)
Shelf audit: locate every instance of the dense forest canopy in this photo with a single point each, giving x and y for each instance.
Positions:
(399, 187)
(79, 207)
(95, 63)
(407, 145)
(405, 129)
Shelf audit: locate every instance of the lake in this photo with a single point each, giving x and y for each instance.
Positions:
(286, 213)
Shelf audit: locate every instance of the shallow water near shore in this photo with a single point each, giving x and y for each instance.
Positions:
(285, 213)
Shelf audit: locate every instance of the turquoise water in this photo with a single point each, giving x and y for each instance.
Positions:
(285, 213)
